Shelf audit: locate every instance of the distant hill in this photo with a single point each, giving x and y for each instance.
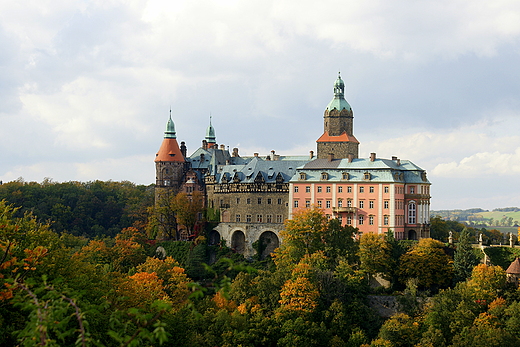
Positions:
(498, 217)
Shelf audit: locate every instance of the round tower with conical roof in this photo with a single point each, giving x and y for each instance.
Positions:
(338, 125)
(170, 163)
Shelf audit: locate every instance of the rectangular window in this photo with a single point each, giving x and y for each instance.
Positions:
(279, 201)
(361, 203)
(307, 203)
(269, 218)
(386, 189)
(259, 201)
(361, 219)
(248, 201)
(307, 189)
(327, 204)
(319, 189)
(296, 189)
(340, 189)
(259, 218)
(340, 219)
(248, 218)
(371, 189)
(269, 200)
(349, 189)
(371, 220)
(328, 189)
(238, 201)
(386, 204)
(349, 220)
(340, 203)
(319, 203)
(295, 203)
(371, 204)
(237, 218)
(412, 190)
(385, 220)
(279, 218)
(349, 203)
(361, 189)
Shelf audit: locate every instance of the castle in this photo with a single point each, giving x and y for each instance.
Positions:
(255, 195)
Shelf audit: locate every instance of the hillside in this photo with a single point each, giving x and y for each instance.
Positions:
(498, 217)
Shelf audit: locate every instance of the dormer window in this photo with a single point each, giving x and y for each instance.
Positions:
(303, 176)
(324, 176)
(367, 176)
(344, 176)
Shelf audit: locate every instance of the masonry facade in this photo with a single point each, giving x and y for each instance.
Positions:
(255, 195)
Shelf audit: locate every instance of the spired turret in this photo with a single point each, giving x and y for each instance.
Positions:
(210, 138)
(170, 163)
(338, 125)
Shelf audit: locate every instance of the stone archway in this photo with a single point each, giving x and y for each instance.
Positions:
(412, 235)
(214, 237)
(268, 242)
(238, 241)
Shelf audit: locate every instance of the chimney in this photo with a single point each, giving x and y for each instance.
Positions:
(235, 152)
(273, 156)
(398, 162)
(372, 156)
(311, 154)
(183, 149)
(350, 157)
(227, 161)
(204, 144)
(256, 155)
(394, 158)
(268, 157)
(223, 147)
(331, 157)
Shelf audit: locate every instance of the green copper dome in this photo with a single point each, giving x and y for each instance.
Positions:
(170, 129)
(210, 133)
(339, 101)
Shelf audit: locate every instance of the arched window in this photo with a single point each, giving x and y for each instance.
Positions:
(303, 176)
(411, 212)
(324, 176)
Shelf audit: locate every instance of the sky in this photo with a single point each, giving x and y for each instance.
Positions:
(86, 87)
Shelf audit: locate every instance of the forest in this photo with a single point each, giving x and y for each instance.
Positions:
(79, 267)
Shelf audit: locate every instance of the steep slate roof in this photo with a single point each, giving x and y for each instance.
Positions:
(381, 170)
(514, 268)
(255, 167)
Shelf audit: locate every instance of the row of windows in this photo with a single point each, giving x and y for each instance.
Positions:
(371, 189)
(361, 204)
(260, 218)
(268, 201)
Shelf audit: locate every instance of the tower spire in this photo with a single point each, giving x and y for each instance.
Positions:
(211, 139)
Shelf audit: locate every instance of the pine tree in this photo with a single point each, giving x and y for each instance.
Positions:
(464, 259)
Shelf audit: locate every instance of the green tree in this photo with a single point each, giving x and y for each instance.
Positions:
(464, 259)
(375, 254)
(427, 262)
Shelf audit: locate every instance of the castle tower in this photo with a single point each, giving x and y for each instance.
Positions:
(338, 136)
(170, 163)
(210, 138)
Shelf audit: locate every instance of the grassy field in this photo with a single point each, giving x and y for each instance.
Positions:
(498, 215)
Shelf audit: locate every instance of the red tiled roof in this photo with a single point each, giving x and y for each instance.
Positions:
(514, 268)
(169, 151)
(341, 138)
